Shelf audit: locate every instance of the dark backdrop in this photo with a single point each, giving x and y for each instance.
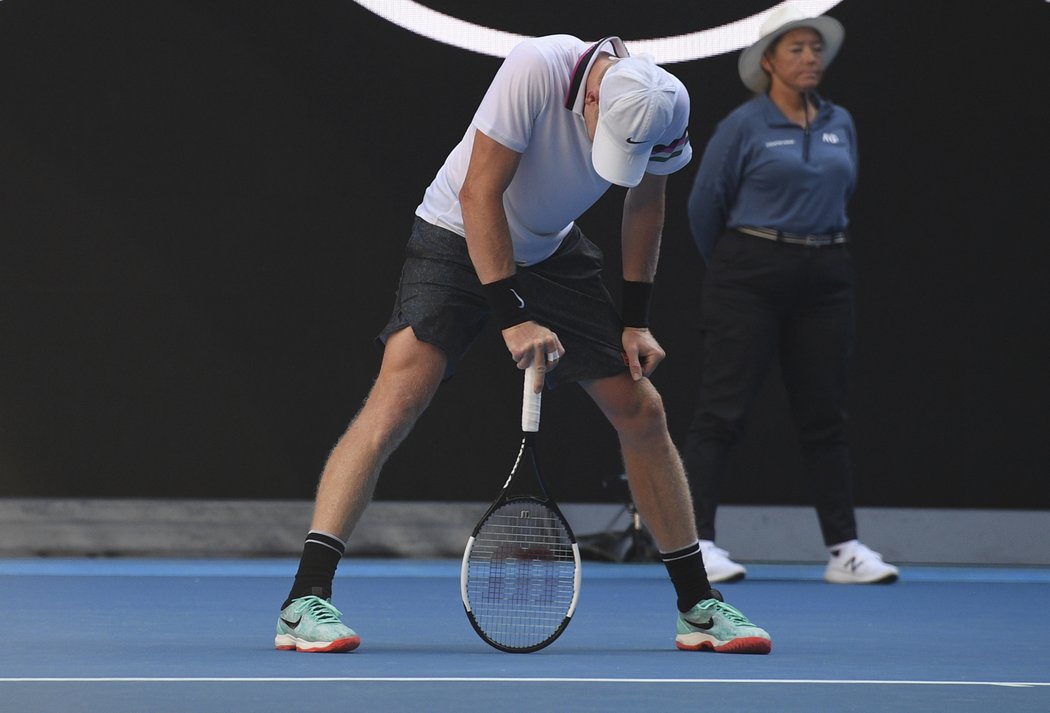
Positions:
(204, 206)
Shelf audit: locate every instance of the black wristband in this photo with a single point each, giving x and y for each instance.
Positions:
(635, 299)
(507, 304)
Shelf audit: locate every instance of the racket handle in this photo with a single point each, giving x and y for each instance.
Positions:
(530, 403)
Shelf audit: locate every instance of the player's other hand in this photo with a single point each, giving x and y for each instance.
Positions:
(641, 351)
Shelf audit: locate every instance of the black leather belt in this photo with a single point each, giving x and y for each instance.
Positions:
(794, 239)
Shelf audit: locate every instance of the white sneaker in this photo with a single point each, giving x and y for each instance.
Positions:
(854, 562)
(718, 565)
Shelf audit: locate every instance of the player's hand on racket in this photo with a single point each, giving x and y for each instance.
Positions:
(641, 351)
(532, 344)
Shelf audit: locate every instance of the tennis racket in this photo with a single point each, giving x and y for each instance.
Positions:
(520, 578)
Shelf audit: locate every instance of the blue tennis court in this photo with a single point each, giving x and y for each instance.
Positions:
(197, 635)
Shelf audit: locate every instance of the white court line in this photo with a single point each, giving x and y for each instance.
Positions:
(472, 679)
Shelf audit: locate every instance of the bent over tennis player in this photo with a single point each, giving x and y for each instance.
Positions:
(495, 236)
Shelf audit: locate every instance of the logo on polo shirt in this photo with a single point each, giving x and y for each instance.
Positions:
(830, 138)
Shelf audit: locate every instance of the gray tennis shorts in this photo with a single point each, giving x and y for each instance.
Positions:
(440, 297)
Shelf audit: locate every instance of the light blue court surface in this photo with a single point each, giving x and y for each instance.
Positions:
(153, 636)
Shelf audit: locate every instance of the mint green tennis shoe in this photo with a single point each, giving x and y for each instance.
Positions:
(312, 625)
(713, 625)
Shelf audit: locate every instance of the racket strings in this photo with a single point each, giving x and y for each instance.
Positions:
(522, 573)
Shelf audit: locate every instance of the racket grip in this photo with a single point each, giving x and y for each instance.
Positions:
(530, 403)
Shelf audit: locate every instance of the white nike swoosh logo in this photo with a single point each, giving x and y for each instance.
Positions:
(521, 302)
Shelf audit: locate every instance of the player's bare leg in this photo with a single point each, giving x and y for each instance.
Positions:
(654, 470)
(408, 378)
(661, 492)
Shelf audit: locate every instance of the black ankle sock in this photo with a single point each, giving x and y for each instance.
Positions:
(321, 555)
(686, 567)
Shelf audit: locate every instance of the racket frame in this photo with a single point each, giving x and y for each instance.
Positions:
(530, 418)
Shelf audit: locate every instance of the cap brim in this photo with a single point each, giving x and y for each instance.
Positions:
(750, 63)
(616, 165)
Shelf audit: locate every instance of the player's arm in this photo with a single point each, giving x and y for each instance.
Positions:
(642, 228)
(492, 166)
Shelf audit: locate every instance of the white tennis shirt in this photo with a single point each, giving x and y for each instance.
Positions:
(525, 110)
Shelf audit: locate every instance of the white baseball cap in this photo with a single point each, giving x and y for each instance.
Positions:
(782, 19)
(636, 103)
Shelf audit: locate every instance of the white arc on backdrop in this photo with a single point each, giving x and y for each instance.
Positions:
(435, 25)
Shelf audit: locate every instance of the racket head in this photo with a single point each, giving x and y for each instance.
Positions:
(520, 578)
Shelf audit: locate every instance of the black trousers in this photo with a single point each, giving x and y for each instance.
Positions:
(763, 299)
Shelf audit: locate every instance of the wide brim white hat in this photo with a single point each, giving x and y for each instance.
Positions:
(783, 19)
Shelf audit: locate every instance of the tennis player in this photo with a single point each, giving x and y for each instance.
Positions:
(495, 236)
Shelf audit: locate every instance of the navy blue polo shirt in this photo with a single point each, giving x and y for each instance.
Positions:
(761, 170)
